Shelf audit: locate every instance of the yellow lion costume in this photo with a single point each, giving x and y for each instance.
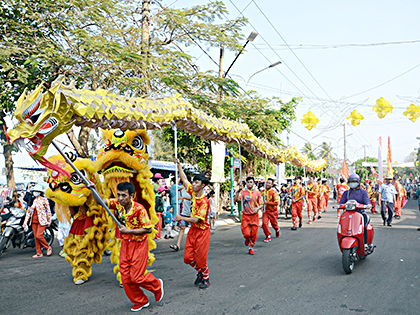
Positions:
(124, 159)
(89, 233)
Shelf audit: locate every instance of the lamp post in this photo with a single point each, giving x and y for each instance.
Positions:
(250, 38)
(270, 66)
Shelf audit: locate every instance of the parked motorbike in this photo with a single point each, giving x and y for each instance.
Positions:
(350, 233)
(14, 234)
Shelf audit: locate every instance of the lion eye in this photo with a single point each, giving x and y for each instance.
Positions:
(138, 143)
(76, 179)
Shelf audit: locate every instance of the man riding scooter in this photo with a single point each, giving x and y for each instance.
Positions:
(361, 196)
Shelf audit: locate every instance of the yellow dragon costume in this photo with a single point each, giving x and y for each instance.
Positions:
(89, 234)
(124, 159)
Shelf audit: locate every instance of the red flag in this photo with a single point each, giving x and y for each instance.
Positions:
(345, 170)
(373, 171)
(389, 160)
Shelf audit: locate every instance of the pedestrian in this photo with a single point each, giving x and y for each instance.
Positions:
(252, 203)
(212, 218)
(198, 238)
(168, 222)
(270, 210)
(134, 247)
(387, 196)
(40, 214)
(185, 210)
(298, 194)
(172, 196)
(312, 193)
(341, 188)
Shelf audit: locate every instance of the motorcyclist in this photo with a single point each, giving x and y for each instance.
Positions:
(361, 196)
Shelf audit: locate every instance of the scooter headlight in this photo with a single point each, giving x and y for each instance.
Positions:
(350, 206)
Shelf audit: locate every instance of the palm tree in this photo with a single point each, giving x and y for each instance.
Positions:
(307, 148)
(325, 151)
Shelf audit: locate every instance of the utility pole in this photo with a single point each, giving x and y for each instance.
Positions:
(345, 143)
(145, 40)
(365, 153)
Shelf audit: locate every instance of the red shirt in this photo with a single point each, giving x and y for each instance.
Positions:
(341, 188)
(272, 200)
(256, 200)
(136, 218)
(199, 209)
(297, 191)
(312, 190)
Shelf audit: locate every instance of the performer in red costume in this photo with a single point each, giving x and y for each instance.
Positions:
(312, 194)
(271, 212)
(298, 195)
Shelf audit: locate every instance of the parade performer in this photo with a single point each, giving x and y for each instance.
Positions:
(253, 202)
(298, 195)
(312, 192)
(399, 198)
(124, 159)
(324, 197)
(341, 188)
(136, 225)
(320, 188)
(88, 234)
(371, 191)
(198, 237)
(271, 212)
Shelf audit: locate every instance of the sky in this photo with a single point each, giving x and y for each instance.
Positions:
(340, 53)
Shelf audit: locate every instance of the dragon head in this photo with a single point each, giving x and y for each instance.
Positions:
(42, 117)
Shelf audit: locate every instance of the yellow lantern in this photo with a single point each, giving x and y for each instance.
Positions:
(382, 107)
(412, 112)
(309, 120)
(355, 118)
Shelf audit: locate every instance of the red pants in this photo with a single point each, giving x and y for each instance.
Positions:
(398, 207)
(133, 263)
(373, 202)
(297, 212)
(197, 249)
(249, 227)
(159, 225)
(270, 216)
(321, 205)
(312, 206)
(39, 237)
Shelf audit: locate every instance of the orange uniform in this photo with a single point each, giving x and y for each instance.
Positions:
(271, 212)
(297, 192)
(250, 220)
(324, 196)
(399, 200)
(134, 253)
(312, 192)
(198, 237)
(341, 188)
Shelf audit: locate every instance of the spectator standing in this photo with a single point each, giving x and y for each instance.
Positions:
(185, 210)
(212, 215)
(168, 222)
(40, 214)
(387, 197)
(157, 182)
(159, 210)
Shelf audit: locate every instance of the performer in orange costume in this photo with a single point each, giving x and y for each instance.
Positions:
(252, 202)
(312, 193)
(370, 189)
(399, 199)
(298, 194)
(324, 196)
(198, 237)
(341, 188)
(134, 247)
(319, 206)
(271, 212)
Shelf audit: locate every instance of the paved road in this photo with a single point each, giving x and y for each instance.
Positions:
(299, 273)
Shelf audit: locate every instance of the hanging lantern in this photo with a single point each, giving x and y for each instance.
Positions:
(412, 112)
(355, 118)
(309, 120)
(382, 107)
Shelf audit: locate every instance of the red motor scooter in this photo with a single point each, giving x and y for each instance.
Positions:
(350, 234)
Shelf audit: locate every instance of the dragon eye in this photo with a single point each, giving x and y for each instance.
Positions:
(138, 143)
(65, 187)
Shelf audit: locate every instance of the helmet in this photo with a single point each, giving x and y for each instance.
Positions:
(354, 181)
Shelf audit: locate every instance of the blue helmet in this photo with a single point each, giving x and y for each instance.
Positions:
(354, 178)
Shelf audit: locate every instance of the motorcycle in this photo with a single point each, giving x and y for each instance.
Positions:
(14, 234)
(350, 233)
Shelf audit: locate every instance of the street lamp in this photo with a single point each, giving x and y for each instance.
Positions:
(250, 38)
(270, 66)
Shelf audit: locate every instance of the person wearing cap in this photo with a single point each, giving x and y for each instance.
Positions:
(40, 214)
(386, 199)
(156, 184)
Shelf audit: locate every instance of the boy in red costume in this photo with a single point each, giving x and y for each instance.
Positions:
(271, 212)
(252, 203)
(312, 190)
(134, 247)
(198, 237)
(298, 195)
(324, 197)
(341, 188)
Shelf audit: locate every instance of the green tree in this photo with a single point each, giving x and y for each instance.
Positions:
(363, 171)
(307, 148)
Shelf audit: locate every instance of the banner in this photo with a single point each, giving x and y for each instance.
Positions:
(280, 173)
(380, 168)
(344, 170)
(218, 151)
(6, 192)
(389, 160)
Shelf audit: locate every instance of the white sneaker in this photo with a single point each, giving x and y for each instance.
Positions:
(80, 281)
